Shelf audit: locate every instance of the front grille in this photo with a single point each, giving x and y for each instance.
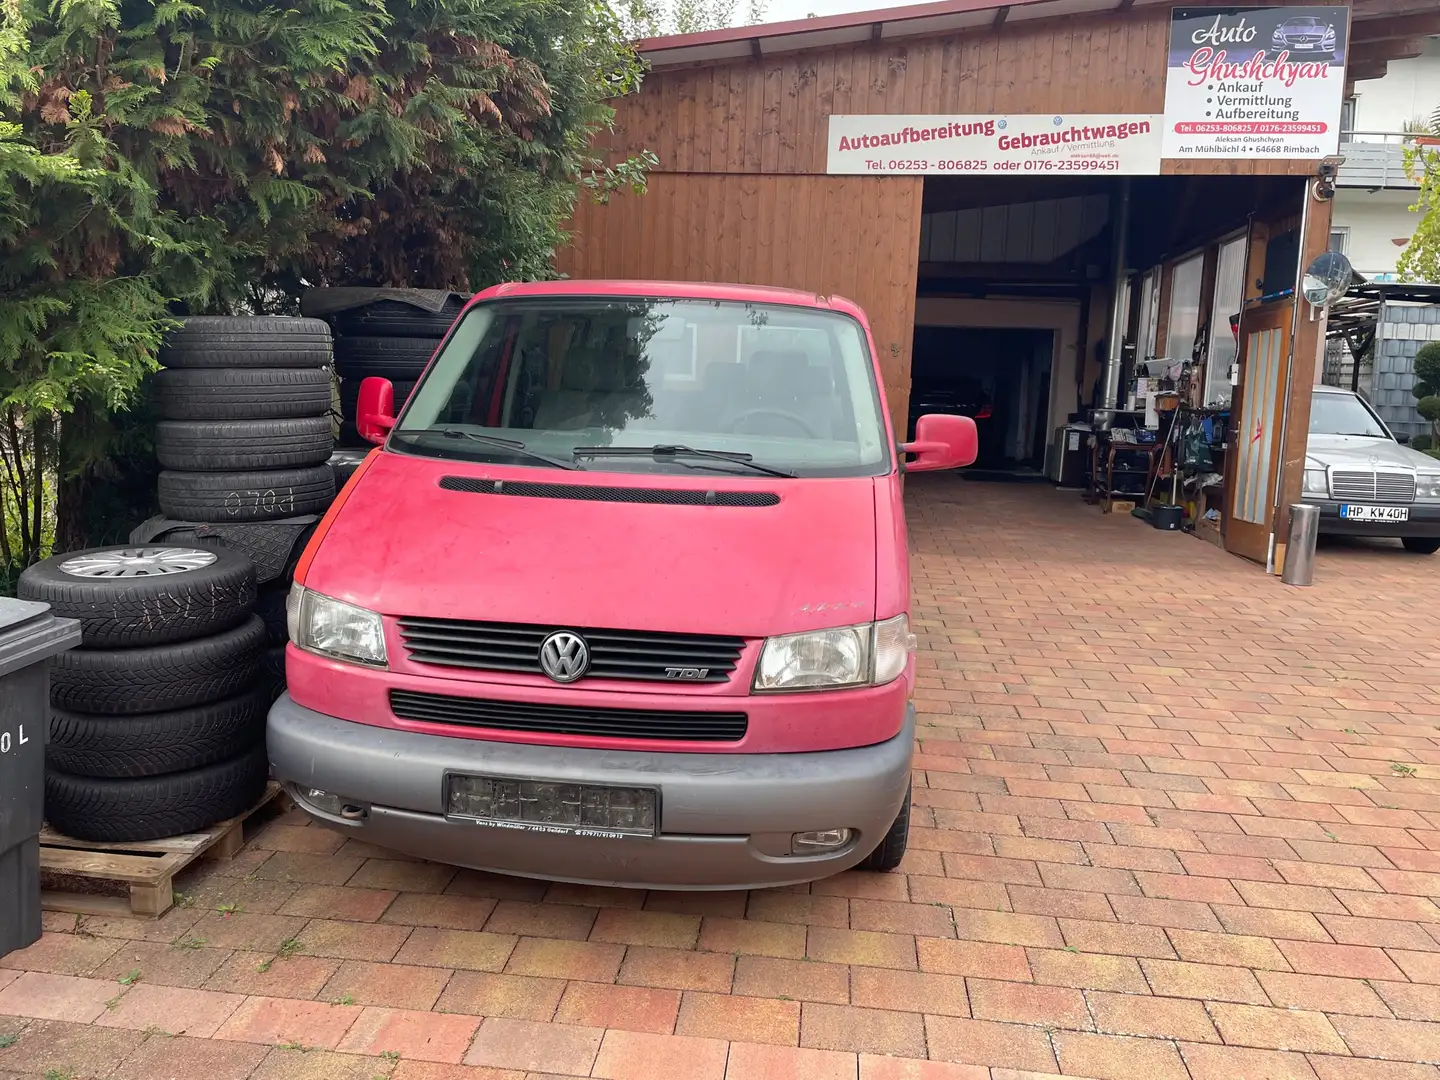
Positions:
(1375, 487)
(569, 719)
(529, 489)
(614, 654)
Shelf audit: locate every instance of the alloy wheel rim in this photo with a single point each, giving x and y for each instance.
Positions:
(137, 562)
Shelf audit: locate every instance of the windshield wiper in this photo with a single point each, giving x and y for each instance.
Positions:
(515, 446)
(661, 451)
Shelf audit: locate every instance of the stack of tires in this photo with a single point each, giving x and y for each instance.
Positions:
(390, 333)
(245, 432)
(158, 720)
(245, 441)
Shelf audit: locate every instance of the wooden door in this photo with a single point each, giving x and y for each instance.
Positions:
(1255, 435)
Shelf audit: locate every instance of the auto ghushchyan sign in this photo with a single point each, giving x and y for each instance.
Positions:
(1251, 82)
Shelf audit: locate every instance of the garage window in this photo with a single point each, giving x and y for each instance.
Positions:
(1149, 313)
(1184, 307)
(1229, 294)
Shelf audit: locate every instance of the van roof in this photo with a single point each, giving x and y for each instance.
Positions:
(681, 290)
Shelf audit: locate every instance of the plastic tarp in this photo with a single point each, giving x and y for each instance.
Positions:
(318, 303)
(270, 545)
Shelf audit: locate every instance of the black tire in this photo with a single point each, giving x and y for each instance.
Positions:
(394, 318)
(243, 341)
(155, 744)
(395, 358)
(891, 850)
(124, 612)
(242, 393)
(123, 811)
(1421, 545)
(163, 678)
(243, 445)
(272, 673)
(246, 496)
(270, 607)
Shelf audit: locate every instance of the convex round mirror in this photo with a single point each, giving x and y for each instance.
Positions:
(1326, 279)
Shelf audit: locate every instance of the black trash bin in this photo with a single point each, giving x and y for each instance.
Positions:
(29, 636)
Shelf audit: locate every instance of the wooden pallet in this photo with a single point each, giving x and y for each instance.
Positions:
(146, 868)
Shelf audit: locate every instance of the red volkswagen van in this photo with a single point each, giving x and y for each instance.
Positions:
(621, 598)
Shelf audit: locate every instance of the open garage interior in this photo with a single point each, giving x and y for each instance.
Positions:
(1014, 286)
(999, 376)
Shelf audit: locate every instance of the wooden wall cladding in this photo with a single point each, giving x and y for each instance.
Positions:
(851, 236)
(770, 115)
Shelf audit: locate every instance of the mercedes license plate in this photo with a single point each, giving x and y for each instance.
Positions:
(1350, 512)
(546, 806)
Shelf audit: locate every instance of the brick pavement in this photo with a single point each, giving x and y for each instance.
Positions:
(1173, 820)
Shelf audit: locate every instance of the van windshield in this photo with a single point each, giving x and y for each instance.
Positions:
(651, 385)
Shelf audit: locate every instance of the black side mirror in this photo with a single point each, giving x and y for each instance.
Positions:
(1403, 440)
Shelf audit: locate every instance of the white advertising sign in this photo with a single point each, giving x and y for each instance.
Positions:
(1255, 82)
(1122, 145)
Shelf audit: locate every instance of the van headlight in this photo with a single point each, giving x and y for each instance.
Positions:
(1316, 483)
(871, 654)
(321, 624)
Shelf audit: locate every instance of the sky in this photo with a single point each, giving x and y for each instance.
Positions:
(785, 10)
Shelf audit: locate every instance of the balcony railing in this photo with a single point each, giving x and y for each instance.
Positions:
(1374, 159)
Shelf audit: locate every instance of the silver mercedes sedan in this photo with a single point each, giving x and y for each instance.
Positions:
(1364, 480)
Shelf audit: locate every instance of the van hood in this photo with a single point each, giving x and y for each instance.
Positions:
(403, 545)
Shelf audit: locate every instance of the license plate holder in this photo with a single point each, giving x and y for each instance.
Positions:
(1354, 512)
(554, 807)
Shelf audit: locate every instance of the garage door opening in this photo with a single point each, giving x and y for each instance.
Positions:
(999, 376)
(1015, 281)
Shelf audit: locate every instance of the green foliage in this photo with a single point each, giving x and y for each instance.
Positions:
(1420, 261)
(1427, 370)
(1429, 408)
(1421, 442)
(163, 157)
(652, 18)
(434, 143)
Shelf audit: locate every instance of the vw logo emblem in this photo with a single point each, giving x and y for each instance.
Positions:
(564, 656)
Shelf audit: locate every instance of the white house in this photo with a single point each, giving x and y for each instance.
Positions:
(1372, 220)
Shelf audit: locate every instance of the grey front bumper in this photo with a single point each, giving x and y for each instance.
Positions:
(1424, 520)
(726, 819)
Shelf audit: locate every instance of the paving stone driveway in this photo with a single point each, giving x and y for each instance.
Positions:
(1161, 832)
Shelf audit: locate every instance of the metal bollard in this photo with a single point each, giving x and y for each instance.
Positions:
(1299, 566)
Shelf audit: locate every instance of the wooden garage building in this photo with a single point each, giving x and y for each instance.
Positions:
(740, 122)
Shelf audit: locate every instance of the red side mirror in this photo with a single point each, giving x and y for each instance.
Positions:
(942, 442)
(375, 413)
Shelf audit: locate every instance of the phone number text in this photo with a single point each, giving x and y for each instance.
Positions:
(979, 165)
